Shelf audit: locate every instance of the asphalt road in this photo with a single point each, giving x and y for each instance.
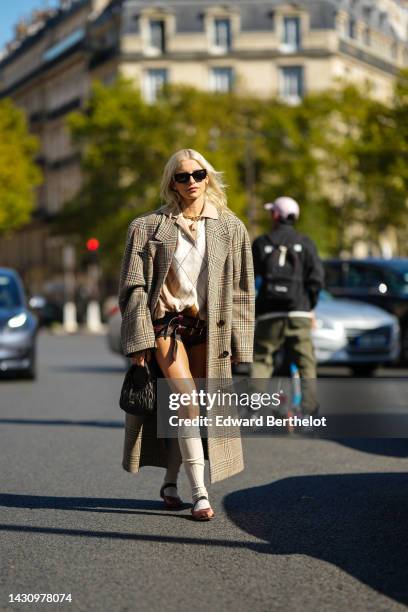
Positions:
(309, 525)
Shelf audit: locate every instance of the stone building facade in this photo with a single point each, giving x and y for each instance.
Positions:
(265, 48)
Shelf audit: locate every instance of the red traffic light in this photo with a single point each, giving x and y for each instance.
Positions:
(92, 244)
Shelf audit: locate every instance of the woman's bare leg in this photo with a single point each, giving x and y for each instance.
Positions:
(180, 375)
(177, 372)
(197, 357)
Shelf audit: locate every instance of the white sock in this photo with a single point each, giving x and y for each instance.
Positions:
(174, 461)
(193, 460)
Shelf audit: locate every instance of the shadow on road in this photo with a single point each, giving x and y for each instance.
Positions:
(357, 522)
(69, 422)
(395, 447)
(90, 369)
(85, 504)
(387, 373)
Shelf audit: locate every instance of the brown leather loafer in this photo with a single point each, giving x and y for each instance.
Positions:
(170, 502)
(205, 514)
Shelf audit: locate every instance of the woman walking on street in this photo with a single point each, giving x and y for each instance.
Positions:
(187, 298)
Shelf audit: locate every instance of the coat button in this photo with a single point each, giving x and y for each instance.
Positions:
(224, 354)
(220, 323)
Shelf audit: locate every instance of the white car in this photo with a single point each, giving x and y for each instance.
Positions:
(352, 333)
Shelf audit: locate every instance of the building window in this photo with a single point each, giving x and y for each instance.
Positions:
(291, 83)
(152, 83)
(352, 28)
(222, 34)
(63, 45)
(157, 36)
(291, 33)
(222, 79)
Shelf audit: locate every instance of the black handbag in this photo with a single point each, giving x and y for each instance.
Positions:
(138, 395)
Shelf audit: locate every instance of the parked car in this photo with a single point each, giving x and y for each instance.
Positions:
(382, 282)
(347, 332)
(357, 335)
(18, 327)
(47, 312)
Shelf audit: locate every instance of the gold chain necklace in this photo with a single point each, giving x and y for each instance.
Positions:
(196, 216)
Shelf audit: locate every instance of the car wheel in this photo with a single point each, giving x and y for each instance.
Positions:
(31, 372)
(404, 345)
(364, 370)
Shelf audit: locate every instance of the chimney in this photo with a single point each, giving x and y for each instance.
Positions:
(21, 30)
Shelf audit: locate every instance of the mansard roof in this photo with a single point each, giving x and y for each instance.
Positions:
(258, 14)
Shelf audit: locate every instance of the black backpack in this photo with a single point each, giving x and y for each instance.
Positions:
(283, 273)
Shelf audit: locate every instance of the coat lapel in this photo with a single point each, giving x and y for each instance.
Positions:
(218, 245)
(162, 248)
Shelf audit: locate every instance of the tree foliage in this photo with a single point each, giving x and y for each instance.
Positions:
(125, 144)
(340, 153)
(19, 174)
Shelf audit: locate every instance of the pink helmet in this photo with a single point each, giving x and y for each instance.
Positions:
(284, 206)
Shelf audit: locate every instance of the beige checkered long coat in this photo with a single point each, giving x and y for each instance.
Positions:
(151, 242)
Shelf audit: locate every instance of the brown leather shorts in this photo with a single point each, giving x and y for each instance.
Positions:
(190, 330)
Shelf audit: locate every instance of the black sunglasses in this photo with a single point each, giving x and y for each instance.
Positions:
(184, 177)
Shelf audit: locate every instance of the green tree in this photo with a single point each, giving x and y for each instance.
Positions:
(339, 117)
(19, 175)
(364, 152)
(387, 163)
(290, 145)
(340, 153)
(125, 144)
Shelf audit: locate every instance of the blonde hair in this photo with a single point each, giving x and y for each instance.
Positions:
(215, 192)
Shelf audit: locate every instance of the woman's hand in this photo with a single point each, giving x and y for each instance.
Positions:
(139, 357)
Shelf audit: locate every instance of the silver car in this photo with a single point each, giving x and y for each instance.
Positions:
(18, 327)
(355, 334)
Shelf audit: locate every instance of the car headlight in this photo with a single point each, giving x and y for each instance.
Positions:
(18, 321)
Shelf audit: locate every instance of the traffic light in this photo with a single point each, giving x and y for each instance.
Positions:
(92, 252)
(92, 244)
